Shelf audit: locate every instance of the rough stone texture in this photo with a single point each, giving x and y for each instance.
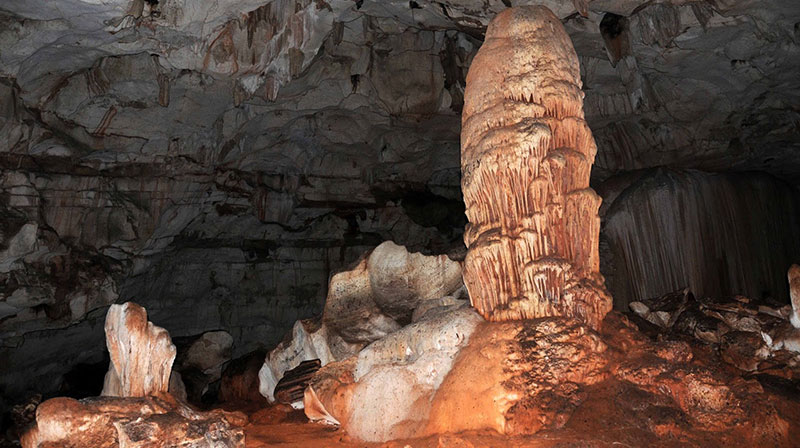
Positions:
(209, 353)
(239, 383)
(794, 294)
(385, 392)
(132, 422)
(718, 234)
(141, 353)
(557, 376)
(519, 377)
(308, 341)
(526, 157)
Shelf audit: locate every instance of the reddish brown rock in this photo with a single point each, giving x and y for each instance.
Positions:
(519, 377)
(526, 157)
(141, 422)
(141, 353)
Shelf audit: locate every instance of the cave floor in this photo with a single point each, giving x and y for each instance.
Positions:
(613, 413)
(598, 422)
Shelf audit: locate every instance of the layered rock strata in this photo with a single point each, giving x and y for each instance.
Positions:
(526, 158)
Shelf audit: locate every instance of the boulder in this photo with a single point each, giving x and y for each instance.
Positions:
(519, 377)
(239, 382)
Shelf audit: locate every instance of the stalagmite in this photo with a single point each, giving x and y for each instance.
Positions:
(526, 157)
(141, 353)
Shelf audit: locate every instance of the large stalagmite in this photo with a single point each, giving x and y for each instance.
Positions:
(526, 157)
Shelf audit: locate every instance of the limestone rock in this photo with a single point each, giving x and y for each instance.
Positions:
(526, 157)
(385, 392)
(200, 361)
(291, 388)
(141, 353)
(239, 381)
(375, 298)
(209, 353)
(134, 422)
(307, 341)
(380, 294)
(794, 295)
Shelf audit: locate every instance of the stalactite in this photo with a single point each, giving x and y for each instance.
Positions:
(526, 159)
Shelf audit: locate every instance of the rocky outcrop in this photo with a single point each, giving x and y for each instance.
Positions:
(388, 288)
(107, 422)
(141, 353)
(718, 234)
(526, 157)
(385, 391)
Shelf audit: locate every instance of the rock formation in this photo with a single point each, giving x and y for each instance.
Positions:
(385, 290)
(141, 353)
(666, 229)
(150, 157)
(794, 295)
(526, 158)
(385, 392)
(142, 422)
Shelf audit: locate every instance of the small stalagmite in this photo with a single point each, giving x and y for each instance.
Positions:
(526, 157)
(141, 353)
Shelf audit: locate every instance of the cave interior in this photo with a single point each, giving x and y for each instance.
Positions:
(296, 223)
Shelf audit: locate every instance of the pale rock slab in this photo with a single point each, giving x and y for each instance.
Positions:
(209, 353)
(141, 353)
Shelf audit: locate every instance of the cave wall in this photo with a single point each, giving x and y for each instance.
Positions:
(720, 234)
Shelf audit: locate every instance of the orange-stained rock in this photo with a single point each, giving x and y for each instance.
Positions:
(519, 377)
(526, 157)
(141, 422)
(141, 353)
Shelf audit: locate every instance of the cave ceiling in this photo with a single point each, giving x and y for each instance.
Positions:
(372, 89)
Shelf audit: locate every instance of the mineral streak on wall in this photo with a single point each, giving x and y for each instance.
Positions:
(526, 157)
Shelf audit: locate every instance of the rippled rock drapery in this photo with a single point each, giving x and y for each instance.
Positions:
(718, 234)
(141, 353)
(526, 158)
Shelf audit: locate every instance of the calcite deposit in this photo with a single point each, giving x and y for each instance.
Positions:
(141, 353)
(526, 157)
